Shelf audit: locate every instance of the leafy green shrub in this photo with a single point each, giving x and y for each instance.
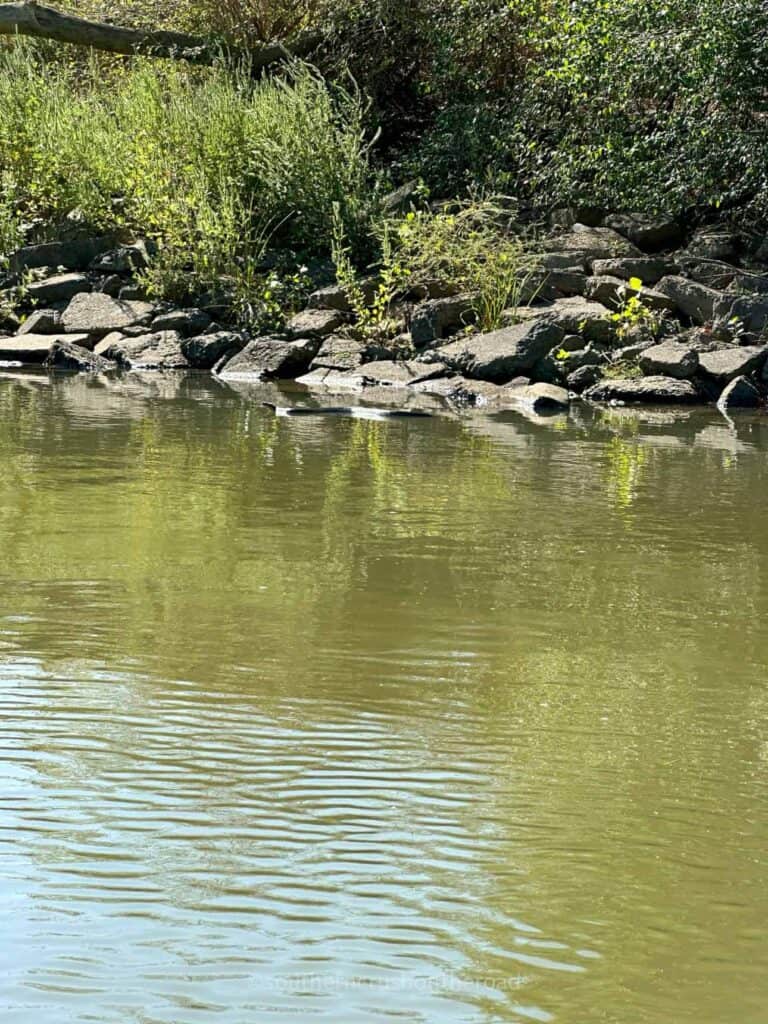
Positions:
(470, 246)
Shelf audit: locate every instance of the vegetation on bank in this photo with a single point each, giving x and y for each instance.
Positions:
(650, 106)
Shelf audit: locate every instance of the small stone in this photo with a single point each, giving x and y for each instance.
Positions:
(569, 281)
(60, 288)
(580, 316)
(614, 292)
(72, 255)
(583, 377)
(562, 261)
(587, 244)
(105, 346)
(154, 351)
(111, 285)
(750, 310)
(334, 296)
(543, 397)
(125, 259)
(647, 233)
(714, 245)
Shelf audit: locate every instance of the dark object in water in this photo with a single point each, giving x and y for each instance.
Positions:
(356, 411)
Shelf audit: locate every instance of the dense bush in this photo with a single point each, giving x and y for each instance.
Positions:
(620, 102)
(627, 103)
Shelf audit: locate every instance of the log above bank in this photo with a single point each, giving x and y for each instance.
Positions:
(38, 21)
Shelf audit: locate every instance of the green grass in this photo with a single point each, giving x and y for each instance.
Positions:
(211, 165)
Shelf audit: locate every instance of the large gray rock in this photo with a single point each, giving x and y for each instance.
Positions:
(460, 391)
(591, 320)
(338, 353)
(434, 319)
(586, 244)
(96, 314)
(207, 350)
(542, 397)
(751, 310)
(334, 296)
(160, 350)
(562, 261)
(60, 288)
(648, 233)
(741, 393)
(669, 359)
(652, 390)
(711, 273)
(714, 244)
(34, 348)
(649, 269)
(271, 358)
(125, 259)
(42, 321)
(315, 323)
(66, 356)
(502, 355)
(392, 373)
(188, 322)
(694, 300)
(614, 292)
(109, 343)
(73, 255)
(583, 377)
(382, 374)
(568, 281)
(726, 364)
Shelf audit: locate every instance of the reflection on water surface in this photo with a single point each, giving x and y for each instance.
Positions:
(458, 719)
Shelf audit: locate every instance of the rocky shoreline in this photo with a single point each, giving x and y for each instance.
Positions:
(621, 311)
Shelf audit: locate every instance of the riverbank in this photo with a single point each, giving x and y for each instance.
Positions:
(622, 310)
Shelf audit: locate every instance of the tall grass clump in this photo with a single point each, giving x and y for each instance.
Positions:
(209, 164)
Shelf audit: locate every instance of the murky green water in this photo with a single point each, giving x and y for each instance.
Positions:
(449, 720)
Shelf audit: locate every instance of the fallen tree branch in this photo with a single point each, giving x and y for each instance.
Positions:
(33, 19)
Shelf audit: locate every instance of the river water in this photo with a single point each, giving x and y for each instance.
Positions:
(444, 720)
